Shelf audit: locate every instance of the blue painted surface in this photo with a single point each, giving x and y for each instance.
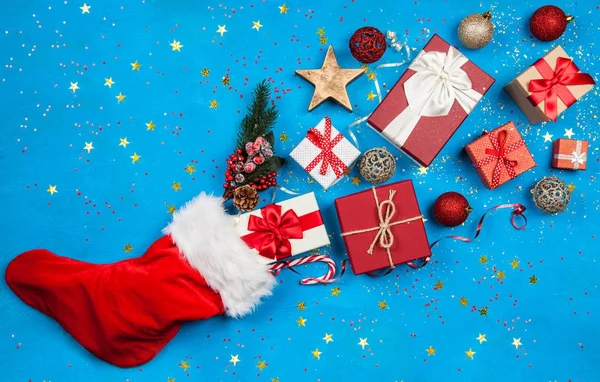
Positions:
(105, 202)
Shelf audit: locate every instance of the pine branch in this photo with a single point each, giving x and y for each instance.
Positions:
(260, 118)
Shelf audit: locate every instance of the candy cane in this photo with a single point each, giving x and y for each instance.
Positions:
(325, 279)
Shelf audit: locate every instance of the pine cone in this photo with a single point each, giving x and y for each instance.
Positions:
(245, 198)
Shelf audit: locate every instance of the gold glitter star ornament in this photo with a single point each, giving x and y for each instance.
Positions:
(330, 81)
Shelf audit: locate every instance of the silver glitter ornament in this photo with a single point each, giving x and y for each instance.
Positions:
(476, 31)
(377, 165)
(551, 195)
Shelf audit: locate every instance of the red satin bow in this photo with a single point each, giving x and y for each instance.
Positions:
(498, 154)
(327, 157)
(554, 85)
(273, 231)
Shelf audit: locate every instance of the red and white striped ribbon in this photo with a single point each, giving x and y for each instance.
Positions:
(325, 279)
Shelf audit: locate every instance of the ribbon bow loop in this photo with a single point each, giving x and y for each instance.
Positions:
(327, 157)
(498, 153)
(273, 231)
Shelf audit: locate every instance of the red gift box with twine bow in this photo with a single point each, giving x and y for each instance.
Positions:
(500, 155)
(382, 227)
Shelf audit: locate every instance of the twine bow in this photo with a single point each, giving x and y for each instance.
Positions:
(327, 157)
(499, 155)
(384, 237)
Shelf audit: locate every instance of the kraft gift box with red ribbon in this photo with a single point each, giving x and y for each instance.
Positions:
(569, 154)
(325, 153)
(382, 227)
(500, 155)
(430, 101)
(549, 87)
(284, 229)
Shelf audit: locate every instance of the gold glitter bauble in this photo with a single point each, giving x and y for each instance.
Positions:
(476, 31)
(551, 195)
(377, 165)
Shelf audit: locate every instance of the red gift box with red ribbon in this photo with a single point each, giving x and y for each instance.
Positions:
(500, 155)
(549, 87)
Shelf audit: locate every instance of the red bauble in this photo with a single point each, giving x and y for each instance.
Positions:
(451, 209)
(367, 45)
(548, 23)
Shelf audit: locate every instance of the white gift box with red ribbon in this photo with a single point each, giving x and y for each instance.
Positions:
(325, 153)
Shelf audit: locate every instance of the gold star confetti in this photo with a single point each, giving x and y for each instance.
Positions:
(171, 209)
(184, 365)
(128, 248)
(328, 338)
(85, 8)
(123, 142)
(135, 158)
(52, 189)
(470, 353)
(276, 379)
(501, 275)
(571, 187)
(176, 186)
(205, 72)
(136, 66)
(73, 86)
(283, 137)
(438, 285)
(213, 104)
(422, 170)
(371, 96)
(283, 9)
(301, 305)
(356, 181)
(481, 338)
(221, 30)
(121, 97)
(335, 291)
(483, 311)
(316, 353)
(533, 280)
(89, 146)
(234, 359)
(516, 342)
(256, 25)
(169, 379)
(430, 350)
(225, 80)
(301, 321)
(463, 301)
(363, 342)
(190, 169)
(382, 305)
(483, 259)
(323, 40)
(371, 76)
(109, 82)
(321, 31)
(515, 263)
(176, 45)
(261, 365)
(150, 126)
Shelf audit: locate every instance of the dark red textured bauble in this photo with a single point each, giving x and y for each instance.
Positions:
(367, 45)
(548, 23)
(451, 209)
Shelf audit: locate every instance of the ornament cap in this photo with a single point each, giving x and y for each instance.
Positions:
(468, 209)
(569, 18)
(488, 15)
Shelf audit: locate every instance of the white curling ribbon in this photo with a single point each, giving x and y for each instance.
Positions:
(432, 90)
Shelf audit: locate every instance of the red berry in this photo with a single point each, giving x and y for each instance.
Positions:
(239, 151)
(225, 185)
(253, 186)
(240, 158)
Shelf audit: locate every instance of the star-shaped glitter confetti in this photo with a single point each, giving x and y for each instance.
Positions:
(261, 365)
(316, 353)
(501, 275)
(136, 66)
(176, 45)
(89, 146)
(323, 40)
(301, 321)
(328, 338)
(283, 137)
(225, 80)
(470, 353)
(569, 133)
(382, 305)
(356, 181)
(547, 137)
(483, 311)
(571, 187)
(128, 248)
(430, 350)
(321, 31)
(283, 9)
(371, 76)
(481, 338)
(363, 342)
(51, 189)
(533, 280)
(205, 72)
(371, 96)
(221, 30)
(234, 359)
(213, 104)
(463, 301)
(276, 379)
(190, 169)
(123, 142)
(516, 342)
(121, 97)
(109, 82)
(514, 263)
(184, 365)
(335, 291)
(483, 259)
(301, 305)
(438, 285)
(256, 25)
(169, 379)
(171, 209)
(135, 158)
(150, 126)
(85, 8)
(176, 186)
(422, 170)
(73, 87)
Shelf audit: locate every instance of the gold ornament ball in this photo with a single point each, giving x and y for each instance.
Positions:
(551, 195)
(377, 165)
(476, 31)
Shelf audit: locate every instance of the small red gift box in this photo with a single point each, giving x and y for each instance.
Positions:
(500, 155)
(430, 101)
(569, 154)
(382, 227)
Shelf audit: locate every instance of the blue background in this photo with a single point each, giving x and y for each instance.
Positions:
(105, 202)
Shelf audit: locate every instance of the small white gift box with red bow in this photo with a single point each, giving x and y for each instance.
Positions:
(325, 153)
(284, 229)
